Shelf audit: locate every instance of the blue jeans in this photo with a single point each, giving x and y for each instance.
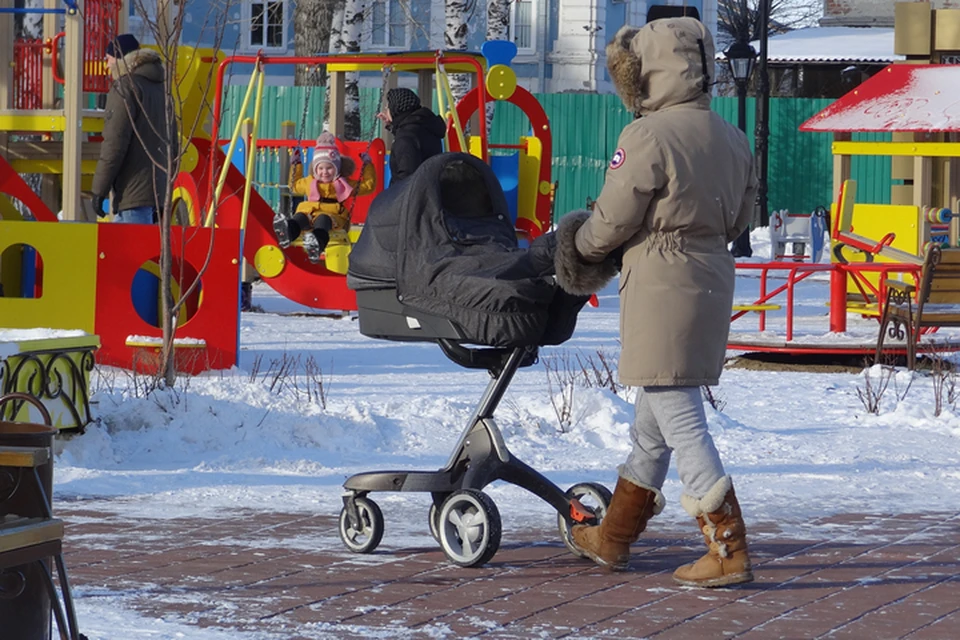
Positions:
(137, 215)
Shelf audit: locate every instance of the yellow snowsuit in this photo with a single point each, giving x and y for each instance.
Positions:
(328, 205)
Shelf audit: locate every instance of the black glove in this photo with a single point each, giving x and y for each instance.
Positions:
(98, 206)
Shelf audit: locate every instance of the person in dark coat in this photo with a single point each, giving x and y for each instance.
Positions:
(417, 132)
(136, 135)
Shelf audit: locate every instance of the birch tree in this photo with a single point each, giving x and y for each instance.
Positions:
(498, 28)
(353, 11)
(313, 23)
(30, 25)
(455, 39)
(335, 46)
(498, 19)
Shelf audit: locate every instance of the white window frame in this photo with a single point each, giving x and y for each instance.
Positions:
(369, 27)
(246, 28)
(533, 26)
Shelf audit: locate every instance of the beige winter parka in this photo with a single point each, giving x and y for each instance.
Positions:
(680, 186)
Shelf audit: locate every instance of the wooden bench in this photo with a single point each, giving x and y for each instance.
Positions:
(936, 303)
(24, 533)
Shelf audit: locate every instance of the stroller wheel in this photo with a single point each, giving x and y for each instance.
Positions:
(592, 495)
(433, 517)
(469, 528)
(367, 536)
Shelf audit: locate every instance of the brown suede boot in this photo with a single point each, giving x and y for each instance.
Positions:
(608, 544)
(726, 561)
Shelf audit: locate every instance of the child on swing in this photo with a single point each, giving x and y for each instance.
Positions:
(326, 191)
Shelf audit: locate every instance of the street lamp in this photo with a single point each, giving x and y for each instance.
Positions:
(741, 58)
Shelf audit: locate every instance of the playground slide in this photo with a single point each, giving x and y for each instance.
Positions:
(14, 187)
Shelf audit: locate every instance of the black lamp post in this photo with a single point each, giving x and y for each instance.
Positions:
(763, 114)
(741, 58)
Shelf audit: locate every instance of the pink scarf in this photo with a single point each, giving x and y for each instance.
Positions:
(341, 187)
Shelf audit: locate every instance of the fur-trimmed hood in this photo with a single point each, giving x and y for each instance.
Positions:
(142, 62)
(662, 64)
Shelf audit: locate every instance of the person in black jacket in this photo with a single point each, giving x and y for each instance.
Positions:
(137, 137)
(417, 132)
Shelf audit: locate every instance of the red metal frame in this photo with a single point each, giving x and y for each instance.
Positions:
(474, 102)
(383, 60)
(797, 272)
(28, 73)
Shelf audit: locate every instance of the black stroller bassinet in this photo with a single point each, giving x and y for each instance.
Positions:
(438, 261)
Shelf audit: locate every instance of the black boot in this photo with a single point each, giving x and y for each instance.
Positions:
(246, 296)
(287, 230)
(323, 237)
(741, 246)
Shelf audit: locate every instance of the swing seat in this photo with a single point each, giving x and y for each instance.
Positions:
(335, 256)
(337, 251)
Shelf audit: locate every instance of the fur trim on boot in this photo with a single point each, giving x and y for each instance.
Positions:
(721, 521)
(608, 544)
(624, 67)
(574, 274)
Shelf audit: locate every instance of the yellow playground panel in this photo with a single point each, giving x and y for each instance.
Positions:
(531, 156)
(68, 275)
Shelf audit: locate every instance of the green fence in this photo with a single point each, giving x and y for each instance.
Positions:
(585, 132)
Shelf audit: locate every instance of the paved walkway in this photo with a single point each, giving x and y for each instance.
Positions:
(258, 572)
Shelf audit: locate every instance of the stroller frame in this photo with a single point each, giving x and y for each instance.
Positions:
(462, 519)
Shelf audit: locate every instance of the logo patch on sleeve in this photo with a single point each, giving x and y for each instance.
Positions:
(619, 157)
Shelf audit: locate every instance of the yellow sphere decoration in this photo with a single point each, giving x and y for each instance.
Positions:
(190, 158)
(501, 82)
(269, 261)
(545, 187)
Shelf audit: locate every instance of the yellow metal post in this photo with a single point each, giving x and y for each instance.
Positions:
(230, 149)
(252, 153)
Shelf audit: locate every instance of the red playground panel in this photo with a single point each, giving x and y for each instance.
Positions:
(209, 339)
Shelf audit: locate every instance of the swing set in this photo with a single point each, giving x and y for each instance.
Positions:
(236, 203)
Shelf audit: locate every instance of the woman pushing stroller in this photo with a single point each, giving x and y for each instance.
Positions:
(680, 186)
(327, 192)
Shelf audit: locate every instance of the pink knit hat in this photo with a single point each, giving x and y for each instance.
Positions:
(325, 151)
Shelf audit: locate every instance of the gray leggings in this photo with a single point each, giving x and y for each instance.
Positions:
(672, 419)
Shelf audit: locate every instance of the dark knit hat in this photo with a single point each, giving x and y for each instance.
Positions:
(402, 101)
(122, 45)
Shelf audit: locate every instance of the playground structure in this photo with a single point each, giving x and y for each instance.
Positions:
(102, 278)
(871, 243)
(528, 187)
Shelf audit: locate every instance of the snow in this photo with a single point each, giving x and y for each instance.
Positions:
(23, 335)
(10, 339)
(152, 341)
(800, 445)
(923, 103)
(832, 44)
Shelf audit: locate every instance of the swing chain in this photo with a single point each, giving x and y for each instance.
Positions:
(387, 71)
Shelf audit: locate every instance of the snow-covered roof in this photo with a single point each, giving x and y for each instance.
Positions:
(831, 45)
(902, 97)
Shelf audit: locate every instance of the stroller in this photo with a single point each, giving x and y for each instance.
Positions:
(438, 261)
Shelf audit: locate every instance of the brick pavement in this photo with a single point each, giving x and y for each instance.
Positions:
(257, 571)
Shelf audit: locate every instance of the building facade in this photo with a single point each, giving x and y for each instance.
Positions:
(560, 43)
(868, 13)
